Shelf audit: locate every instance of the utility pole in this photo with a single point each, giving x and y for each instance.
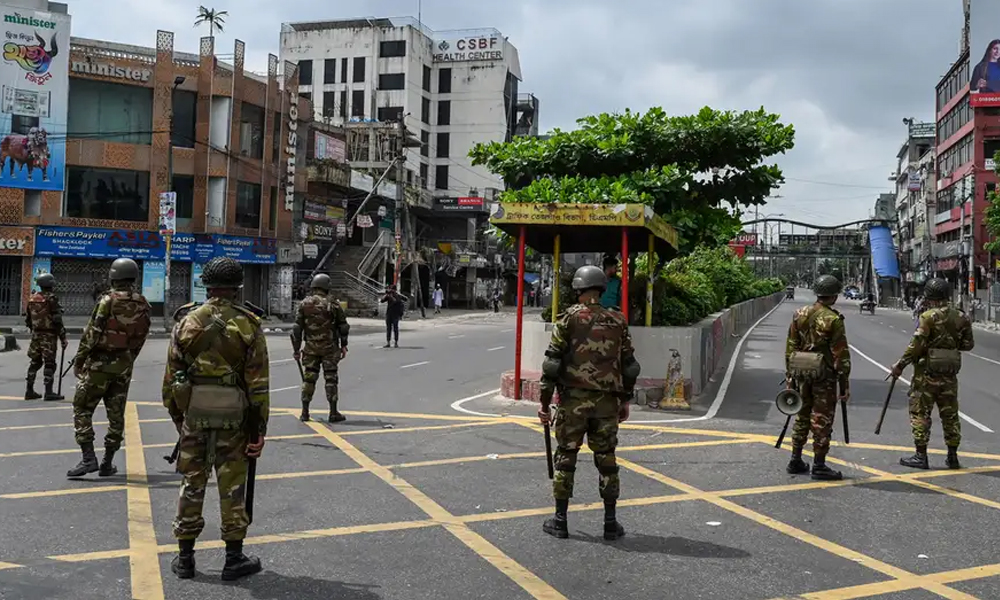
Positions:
(400, 197)
(168, 235)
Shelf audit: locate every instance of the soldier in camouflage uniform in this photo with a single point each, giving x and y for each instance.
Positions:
(591, 360)
(44, 318)
(817, 360)
(113, 339)
(942, 334)
(322, 322)
(216, 389)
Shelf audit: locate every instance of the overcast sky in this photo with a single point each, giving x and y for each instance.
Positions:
(843, 72)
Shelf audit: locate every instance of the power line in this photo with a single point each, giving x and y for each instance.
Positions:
(830, 183)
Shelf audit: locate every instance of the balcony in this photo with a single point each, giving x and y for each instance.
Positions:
(324, 171)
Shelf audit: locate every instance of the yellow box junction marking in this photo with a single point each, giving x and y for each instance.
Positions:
(144, 562)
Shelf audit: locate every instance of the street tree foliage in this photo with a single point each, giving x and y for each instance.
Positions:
(991, 216)
(698, 172)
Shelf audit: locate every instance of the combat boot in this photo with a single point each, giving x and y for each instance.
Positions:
(952, 460)
(821, 472)
(87, 465)
(183, 564)
(29, 391)
(108, 468)
(304, 415)
(613, 530)
(50, 395)
(918, 460)
(557, 526)
(239, 564)
(335, 415)
(797, 466)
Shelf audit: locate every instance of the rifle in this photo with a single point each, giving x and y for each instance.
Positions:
(62, 361)
(885, 407)
(847, 430)
(260, 312)
(254, 425)
(173, 455)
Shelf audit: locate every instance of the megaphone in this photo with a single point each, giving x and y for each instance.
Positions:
(789, 402)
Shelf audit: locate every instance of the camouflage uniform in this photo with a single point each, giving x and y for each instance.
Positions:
(112, 341)
(592, 344)
(321, 321)
(233, 358)
(818, 328)
(941, 326)
(44, 318)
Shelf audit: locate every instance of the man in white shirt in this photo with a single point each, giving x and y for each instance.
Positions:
(438, 298)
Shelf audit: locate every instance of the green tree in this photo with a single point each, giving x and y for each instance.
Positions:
(991, 215)
(216, 19)
(699, 172)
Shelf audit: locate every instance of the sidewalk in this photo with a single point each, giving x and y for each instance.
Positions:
(412, 321)
(984, 325)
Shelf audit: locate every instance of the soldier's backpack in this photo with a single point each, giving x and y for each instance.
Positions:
(808, 366)
(945, 362)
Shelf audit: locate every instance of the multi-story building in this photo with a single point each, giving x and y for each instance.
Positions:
(913, 180)
(125, 125)
(452, 90)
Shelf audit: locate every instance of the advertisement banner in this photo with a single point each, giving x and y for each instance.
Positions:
(34, 76)
(247, 250)
(605, 215)
(984, 53)
(469, 49)
(198, 291)
(39, 266)
(327, 147)
(98, 243)
(154, 272)
(17, 241)
(317, 211)
(310, 232)
(467, 204)
(192, 247)
(168, 212)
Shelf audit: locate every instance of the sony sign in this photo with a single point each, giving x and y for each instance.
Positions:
(290, 149)
(87, 67)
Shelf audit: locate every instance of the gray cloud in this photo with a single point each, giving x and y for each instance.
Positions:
(844, 72)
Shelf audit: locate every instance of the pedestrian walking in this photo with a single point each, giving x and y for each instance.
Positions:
(394, 310)
(103, 363)
(817, 361)
(590, 359)
(438, 299)
(935, 351)
(217, 393)
(322, 323)
(44, 318)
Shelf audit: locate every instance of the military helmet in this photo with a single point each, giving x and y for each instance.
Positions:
(46, 281)
(588, 277)
(320, 281)
(222, 272)
(827, 285)
(937, 289)
(124, 268)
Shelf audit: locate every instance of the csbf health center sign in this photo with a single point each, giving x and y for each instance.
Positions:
(34, 98)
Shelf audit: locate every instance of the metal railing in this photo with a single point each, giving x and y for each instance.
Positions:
(374, 253)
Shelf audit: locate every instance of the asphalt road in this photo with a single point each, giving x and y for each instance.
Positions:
(456, 500)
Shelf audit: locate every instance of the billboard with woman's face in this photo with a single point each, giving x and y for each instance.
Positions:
(984, 53)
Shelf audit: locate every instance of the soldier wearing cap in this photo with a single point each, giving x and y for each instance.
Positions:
(591, 360)
(103, 363)
(935, 351)
(321, 322)
(817, 360)
(44, 318)
(216, 389)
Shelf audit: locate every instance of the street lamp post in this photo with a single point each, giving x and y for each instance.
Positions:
(168, 235)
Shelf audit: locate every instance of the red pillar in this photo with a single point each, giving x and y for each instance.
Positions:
(520, 312)
(625, 272)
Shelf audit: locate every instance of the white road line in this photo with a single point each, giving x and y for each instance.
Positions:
(282, 360)
(989, 360)
(506, 330)
(961, 414)
(712, 410)
(415, 364)
(455, 337)
(285, 389)
(497, 348)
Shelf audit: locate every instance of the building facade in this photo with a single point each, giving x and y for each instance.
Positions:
(914, 182)
(451, 90)
(142, 122)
